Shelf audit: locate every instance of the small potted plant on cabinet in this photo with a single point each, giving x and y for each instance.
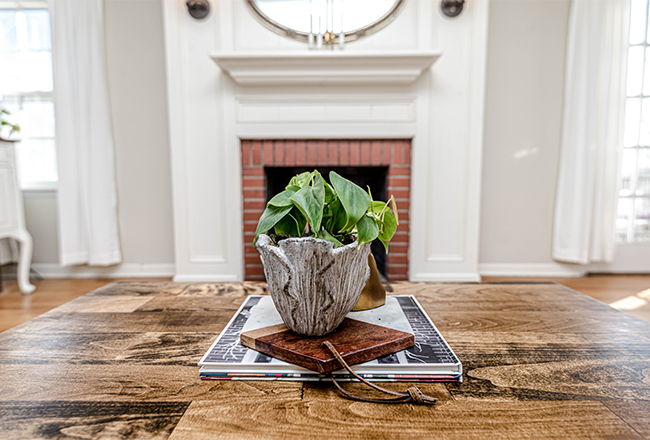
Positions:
(316, 261)
(7, 126)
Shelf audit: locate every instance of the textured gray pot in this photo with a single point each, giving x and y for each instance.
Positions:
(313, 285)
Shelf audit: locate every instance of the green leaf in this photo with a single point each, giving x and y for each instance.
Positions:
(329, 192)
(310, 202)
(269, 218)
(301, 180)
(329, 237)
(390, 226)
(319, 187)
(283, 198)
(377, 207)
(394, 203)
(339, 217)
(290, 225)
(355, 200)
(367, 229)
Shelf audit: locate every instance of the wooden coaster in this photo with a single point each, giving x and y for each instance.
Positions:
(357, 342)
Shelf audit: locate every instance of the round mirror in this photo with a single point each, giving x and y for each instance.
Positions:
(350, 19)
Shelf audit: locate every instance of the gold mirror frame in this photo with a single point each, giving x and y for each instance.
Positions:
(285, 31)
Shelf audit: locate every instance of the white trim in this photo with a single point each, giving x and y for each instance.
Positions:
(456, 276)
(39, 186)
(24, 4)
(324, 67)
(326, 131)
(39, 193)
(124, 270)
(532, 270)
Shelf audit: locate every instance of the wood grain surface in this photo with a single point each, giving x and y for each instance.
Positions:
(355, 340)
(539, 360)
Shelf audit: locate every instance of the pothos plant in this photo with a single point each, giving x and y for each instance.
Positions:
(5, 123)
(311, 207)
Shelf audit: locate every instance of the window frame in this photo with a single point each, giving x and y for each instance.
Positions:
(643, 96)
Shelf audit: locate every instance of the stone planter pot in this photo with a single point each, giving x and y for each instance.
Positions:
(313, 285)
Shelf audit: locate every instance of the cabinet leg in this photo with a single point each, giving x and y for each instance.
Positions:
(25, 262)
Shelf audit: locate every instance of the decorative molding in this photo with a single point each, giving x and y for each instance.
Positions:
(532, 270)
(326, 131)
(323, 67)
(124, 270)
(332, 110)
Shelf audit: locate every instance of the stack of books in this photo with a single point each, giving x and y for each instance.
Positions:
(430, 360)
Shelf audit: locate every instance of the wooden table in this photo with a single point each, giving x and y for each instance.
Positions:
(540, 361)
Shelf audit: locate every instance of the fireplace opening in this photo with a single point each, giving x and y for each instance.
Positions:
(374, 177)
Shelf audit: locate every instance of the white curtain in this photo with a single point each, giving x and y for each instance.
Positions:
(88, 229)
(585, 206)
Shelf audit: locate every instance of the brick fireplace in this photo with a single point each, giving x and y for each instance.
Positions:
(258, 155)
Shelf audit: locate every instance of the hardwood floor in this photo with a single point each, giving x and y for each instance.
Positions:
(630, 293)
(16, 308)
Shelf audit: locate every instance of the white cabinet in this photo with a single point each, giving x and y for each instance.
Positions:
(12, 214)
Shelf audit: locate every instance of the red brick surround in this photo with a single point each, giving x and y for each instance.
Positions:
(396, 154)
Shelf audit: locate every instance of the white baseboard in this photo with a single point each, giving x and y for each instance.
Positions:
(124, 270)
(459, 277)
(532, 270)
(210, 278)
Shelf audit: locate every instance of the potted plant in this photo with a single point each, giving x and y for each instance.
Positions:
(316, 261)
(4, 123)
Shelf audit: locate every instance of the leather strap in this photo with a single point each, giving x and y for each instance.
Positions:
(412, 395)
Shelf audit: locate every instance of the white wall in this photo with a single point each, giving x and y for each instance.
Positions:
(136, 75)
(523, 117)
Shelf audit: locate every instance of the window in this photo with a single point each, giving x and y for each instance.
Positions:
(26, 89)
(633, 222)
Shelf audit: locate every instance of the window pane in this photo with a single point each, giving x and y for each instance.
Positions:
(643, 176)
(36, 161)
(644, 134)
(26, 72)
(8, 38)
(642, 220)
(9, 79)
(622, 219)
(36, 72)
(36, 119)
(637, 21)
(634, 70)
(37, 29)
(632, 116)
(628, 172)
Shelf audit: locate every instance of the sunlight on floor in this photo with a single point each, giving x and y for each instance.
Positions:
(633, 301)
(629, 303)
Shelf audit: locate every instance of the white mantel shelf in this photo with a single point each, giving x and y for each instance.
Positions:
(325, 67)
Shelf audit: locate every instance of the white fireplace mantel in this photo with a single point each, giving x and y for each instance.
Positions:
(325, 67)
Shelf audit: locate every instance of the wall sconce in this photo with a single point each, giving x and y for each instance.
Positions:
(452, 8)
(198, 9)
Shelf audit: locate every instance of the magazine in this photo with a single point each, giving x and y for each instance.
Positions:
(429, 360)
